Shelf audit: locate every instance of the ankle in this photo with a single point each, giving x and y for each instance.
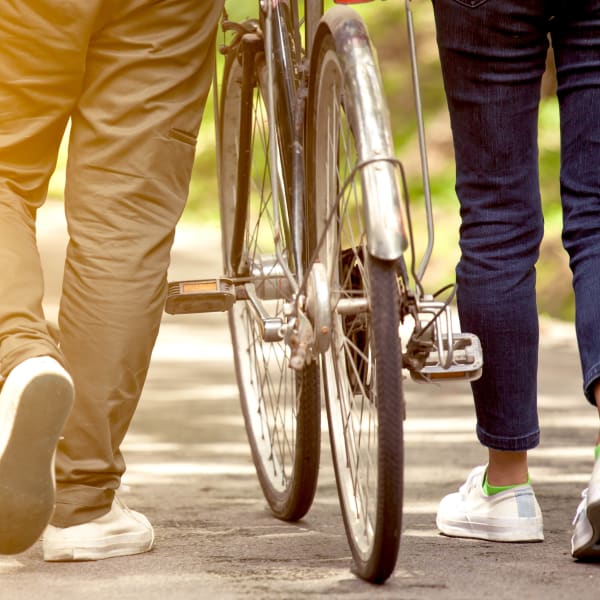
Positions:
(491, 490)
(507, 468)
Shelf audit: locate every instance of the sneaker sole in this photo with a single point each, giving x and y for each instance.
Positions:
(98, 549)
(507, 532)
(591, 550)
(27, 488)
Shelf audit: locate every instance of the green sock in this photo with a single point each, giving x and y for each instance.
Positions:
(597, 452)
(490, 490)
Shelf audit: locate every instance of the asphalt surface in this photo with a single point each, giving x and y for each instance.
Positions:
(190, 472)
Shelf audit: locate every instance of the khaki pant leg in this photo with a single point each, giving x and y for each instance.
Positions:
(41, 68)
(131, 154)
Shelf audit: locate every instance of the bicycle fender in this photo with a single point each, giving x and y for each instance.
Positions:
(368, 116)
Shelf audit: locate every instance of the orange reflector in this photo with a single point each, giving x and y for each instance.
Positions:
(447, 375)
(193, 287)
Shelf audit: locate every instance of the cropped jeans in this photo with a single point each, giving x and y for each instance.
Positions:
(493, 55)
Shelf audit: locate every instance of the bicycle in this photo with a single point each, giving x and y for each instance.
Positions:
(315, 226)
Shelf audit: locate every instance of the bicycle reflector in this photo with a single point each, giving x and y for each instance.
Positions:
(200, 296)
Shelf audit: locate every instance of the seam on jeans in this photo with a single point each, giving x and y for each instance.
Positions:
(471, 3)
(182, 136)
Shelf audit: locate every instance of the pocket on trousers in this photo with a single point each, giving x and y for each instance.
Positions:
(182, 136)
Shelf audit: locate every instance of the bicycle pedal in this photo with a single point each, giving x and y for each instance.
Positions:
(200, 296)
(466, 362)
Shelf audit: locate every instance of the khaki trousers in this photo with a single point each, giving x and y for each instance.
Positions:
(133, 76)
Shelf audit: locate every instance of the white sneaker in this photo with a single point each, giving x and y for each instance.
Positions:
(35, 401)
(585, 543)
(510, 516)
(120, 532)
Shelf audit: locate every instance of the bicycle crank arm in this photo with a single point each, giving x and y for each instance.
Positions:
(220, 293)
(271, 328)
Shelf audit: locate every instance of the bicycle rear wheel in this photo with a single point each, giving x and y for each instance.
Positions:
(281, 406)
(362, 369)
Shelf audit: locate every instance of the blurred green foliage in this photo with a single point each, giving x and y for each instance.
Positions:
(387, 26)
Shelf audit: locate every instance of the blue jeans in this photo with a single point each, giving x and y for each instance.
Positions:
(493, 56)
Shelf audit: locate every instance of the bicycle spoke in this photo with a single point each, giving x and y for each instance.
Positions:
(281, 406)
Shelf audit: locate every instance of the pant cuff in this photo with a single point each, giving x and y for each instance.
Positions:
(77, 504)
(589, 383)
(17, 355)
(514, 444)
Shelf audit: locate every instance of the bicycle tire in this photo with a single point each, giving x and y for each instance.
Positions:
(281, 407)
(362, 372)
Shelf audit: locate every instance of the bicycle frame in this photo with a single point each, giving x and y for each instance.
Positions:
(332, 316)
(275, 23)
(277, 31)
(386, 237)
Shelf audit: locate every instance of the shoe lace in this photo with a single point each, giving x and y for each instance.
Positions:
(582, 505)
(473, 480)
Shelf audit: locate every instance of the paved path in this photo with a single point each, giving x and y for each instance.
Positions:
(191, 474)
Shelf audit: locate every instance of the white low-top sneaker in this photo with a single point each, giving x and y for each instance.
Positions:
(35, 401)
(513, 515)
(585, 543)
(120, 532)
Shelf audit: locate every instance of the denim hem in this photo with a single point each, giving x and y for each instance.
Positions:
(589, 381)
(517, 444)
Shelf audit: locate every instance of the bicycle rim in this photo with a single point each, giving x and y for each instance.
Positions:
(362, 370)
(281, 407)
